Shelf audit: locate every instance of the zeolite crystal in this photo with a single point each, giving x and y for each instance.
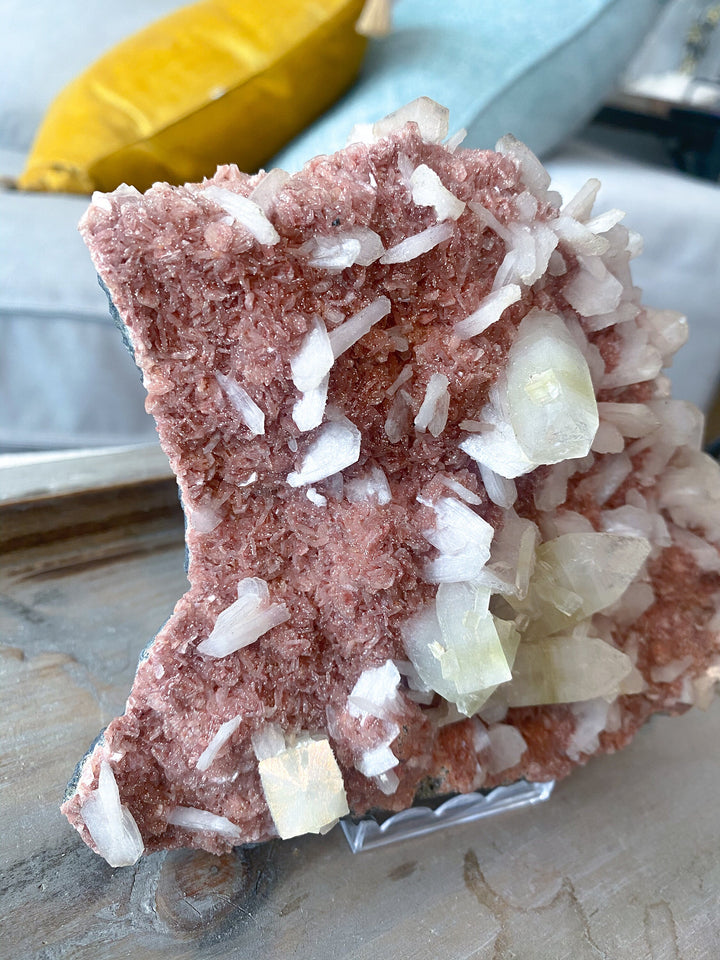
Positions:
(446, 527)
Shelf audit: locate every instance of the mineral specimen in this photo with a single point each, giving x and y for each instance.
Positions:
(446, 526)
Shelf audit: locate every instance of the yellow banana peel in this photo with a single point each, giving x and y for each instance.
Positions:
(219, 81)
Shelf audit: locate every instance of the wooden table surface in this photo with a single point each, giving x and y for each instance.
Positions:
(622, 863)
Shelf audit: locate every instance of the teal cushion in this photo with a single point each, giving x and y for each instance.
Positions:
(535, 68)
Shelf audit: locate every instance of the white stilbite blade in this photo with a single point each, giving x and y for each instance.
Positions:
(190, 818)
(489, 311)
(312, 363)
(246, 212)
(336, 446)
(463, 539)
(241, 400)
(245, 620)
(428, 190)
(349, 332)
(418, 243)
(225, 731)
(111, 825)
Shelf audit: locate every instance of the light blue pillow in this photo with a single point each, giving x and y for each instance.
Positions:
(66, 380)
(45, 44)
(535, 68)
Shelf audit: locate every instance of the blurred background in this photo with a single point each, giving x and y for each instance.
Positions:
(98, 92)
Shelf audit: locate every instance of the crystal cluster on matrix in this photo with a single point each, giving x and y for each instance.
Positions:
(446, 526)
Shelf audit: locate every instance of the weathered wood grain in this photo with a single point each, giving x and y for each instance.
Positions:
(622, 863)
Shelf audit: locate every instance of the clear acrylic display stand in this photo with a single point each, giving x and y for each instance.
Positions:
(368, 833)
